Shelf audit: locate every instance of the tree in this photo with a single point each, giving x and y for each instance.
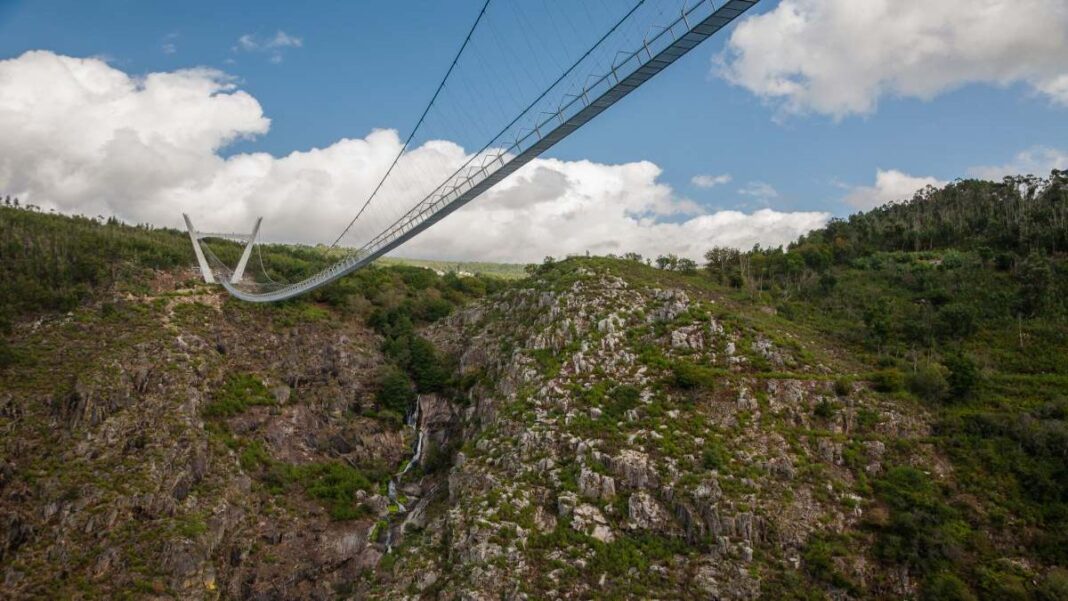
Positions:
(395, 391)
(1034, 276)
(963, 375)
(928, 383)
(827, 282)
(720, 263)
(946, 586)
(426, 367)
(669, 262)
(877, 322)
(687, 266)
(957, 321)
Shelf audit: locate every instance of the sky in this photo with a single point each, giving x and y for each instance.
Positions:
(801, 111)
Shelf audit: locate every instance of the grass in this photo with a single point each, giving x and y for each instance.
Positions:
(238, 393)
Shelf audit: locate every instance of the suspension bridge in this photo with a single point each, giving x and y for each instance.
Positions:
(421, 186)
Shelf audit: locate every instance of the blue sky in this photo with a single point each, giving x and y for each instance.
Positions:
(365, 65)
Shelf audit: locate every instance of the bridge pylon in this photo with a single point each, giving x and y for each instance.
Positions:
(196, 236)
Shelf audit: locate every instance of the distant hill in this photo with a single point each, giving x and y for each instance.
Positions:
(501, 270)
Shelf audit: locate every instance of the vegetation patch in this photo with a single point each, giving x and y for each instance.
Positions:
(238, 393)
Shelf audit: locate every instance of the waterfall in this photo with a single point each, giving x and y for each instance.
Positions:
(417, 455)
(412, 419)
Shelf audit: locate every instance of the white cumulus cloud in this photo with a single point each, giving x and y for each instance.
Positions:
(710, 181)
(1035, 161)
(839, 57)
(890, 186)
(80, 136)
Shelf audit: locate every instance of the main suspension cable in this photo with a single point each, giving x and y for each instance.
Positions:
(529, 107)
(397, 158)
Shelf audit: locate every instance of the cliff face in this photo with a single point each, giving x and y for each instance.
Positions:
(153, 447)
(625, 440)
(613, 432)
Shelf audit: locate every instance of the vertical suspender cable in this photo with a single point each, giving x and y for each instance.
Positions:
(397, 158)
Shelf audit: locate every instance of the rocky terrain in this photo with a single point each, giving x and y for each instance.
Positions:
(843, 420)
(126, 474)
(629, 441)
(614, 439)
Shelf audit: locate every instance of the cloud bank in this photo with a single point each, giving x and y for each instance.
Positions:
(890, 185)
(839, 57)
(80, 136)
(1035, 161)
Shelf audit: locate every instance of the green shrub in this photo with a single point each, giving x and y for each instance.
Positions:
(928, 383)
(825, 409)
(1004, 583)
(923, 531)
(8, 355)
(714, 456)
(842, 387)
(963, 375)
(1055, 586)
(333, 483)
(621, 399)
(888, 380)
(254, 456)
(238, 393)
(819, 554)
(687, 376)
(426, 367)
(547, 361)
(957, 321)
(945, 586)
(395, 391)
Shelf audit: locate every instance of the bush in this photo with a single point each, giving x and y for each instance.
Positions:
(620, 400)
(715, 455)
(888, 380)
(957, 321)
(842, 387)
(238, 393)
(334, 484)
(688, 376)
(923, 532)
(8, 355)
(819, 554)
(928, 383)
(1055, 586)
(825, 409)
(395, 391)
(963, 375)
(946, 587)
(426, 367)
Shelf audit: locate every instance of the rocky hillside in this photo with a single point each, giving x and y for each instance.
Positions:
(177, 445)
(599, 430)
(615, 438)
(625, 438)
